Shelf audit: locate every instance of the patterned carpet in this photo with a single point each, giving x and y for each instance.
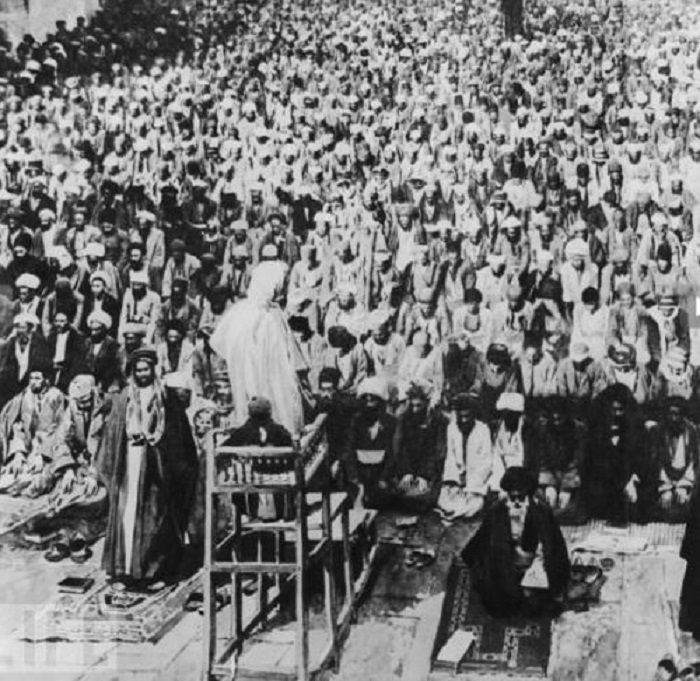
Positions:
(656, 535)
(517, 646)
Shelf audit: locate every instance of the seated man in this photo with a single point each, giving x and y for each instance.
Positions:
(345, 353)
(674, 452)
(463, 366)
(418, 452)
(616, 474)
(577, 378)
(561, 451)
(468, 461)
(500, 375)
(260, 430)
(28, 423)
(367, 454)
(518, 557)
(23, 348)
(512, 436)
(421, 363)
(338, 408)
(77, 441)
(621, 366)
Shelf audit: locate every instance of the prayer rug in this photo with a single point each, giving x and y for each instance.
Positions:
(656, 535)
(517, 646)
(142, 616)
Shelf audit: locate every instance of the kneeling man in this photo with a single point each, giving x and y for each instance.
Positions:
(518, 557)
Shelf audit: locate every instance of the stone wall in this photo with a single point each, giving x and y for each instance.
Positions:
(39, 17)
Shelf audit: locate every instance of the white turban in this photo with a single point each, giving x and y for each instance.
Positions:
(374, 386)
(100, 317)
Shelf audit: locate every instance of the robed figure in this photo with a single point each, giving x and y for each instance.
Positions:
(261, 352)
(689, 617)
(518, 557)
(148, 463)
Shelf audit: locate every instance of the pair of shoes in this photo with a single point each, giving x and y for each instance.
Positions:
(420, 558)
(75, 547)
(60, 548)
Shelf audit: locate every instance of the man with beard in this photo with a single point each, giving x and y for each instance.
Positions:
(367, 455)
(561, 452)
(238, 273)
(78, 438)
(25, 347)
(669, 327)
(97, 298)
(102, 353)
(513, 443)
(385, 285)
(136, 262)
(28, 423)
(418, 452)
(153, 241)
(348, 356)
(285, 241)
(206, 364)
(181, 308)
(492, 280)
(518, 557)
(214, 305)
(384, 347)
(67, 347)
(175, 353)
(675, 449)
(463, 366)
(578, 376)
(339, 410)
(621, 366)
(616, 475)
(180, 266)
(468, 460)
(28, 299)
(94, 261)
(23, 262)
(577, 274)
(500, 375)
(240, 238)
(140, 305)
(146, 451)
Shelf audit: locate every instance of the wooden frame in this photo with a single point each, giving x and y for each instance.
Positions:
(256, 471)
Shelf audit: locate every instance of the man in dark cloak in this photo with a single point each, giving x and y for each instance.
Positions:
(146, 453)
(689, 617)
(515, 533)
(617, 473)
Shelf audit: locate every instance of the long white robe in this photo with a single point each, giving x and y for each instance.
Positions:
(261, 352)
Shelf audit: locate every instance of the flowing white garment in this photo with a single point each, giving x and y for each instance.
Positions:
(261, 353)
(134, 456)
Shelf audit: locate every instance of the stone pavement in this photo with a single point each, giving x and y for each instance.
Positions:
(619, 640)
